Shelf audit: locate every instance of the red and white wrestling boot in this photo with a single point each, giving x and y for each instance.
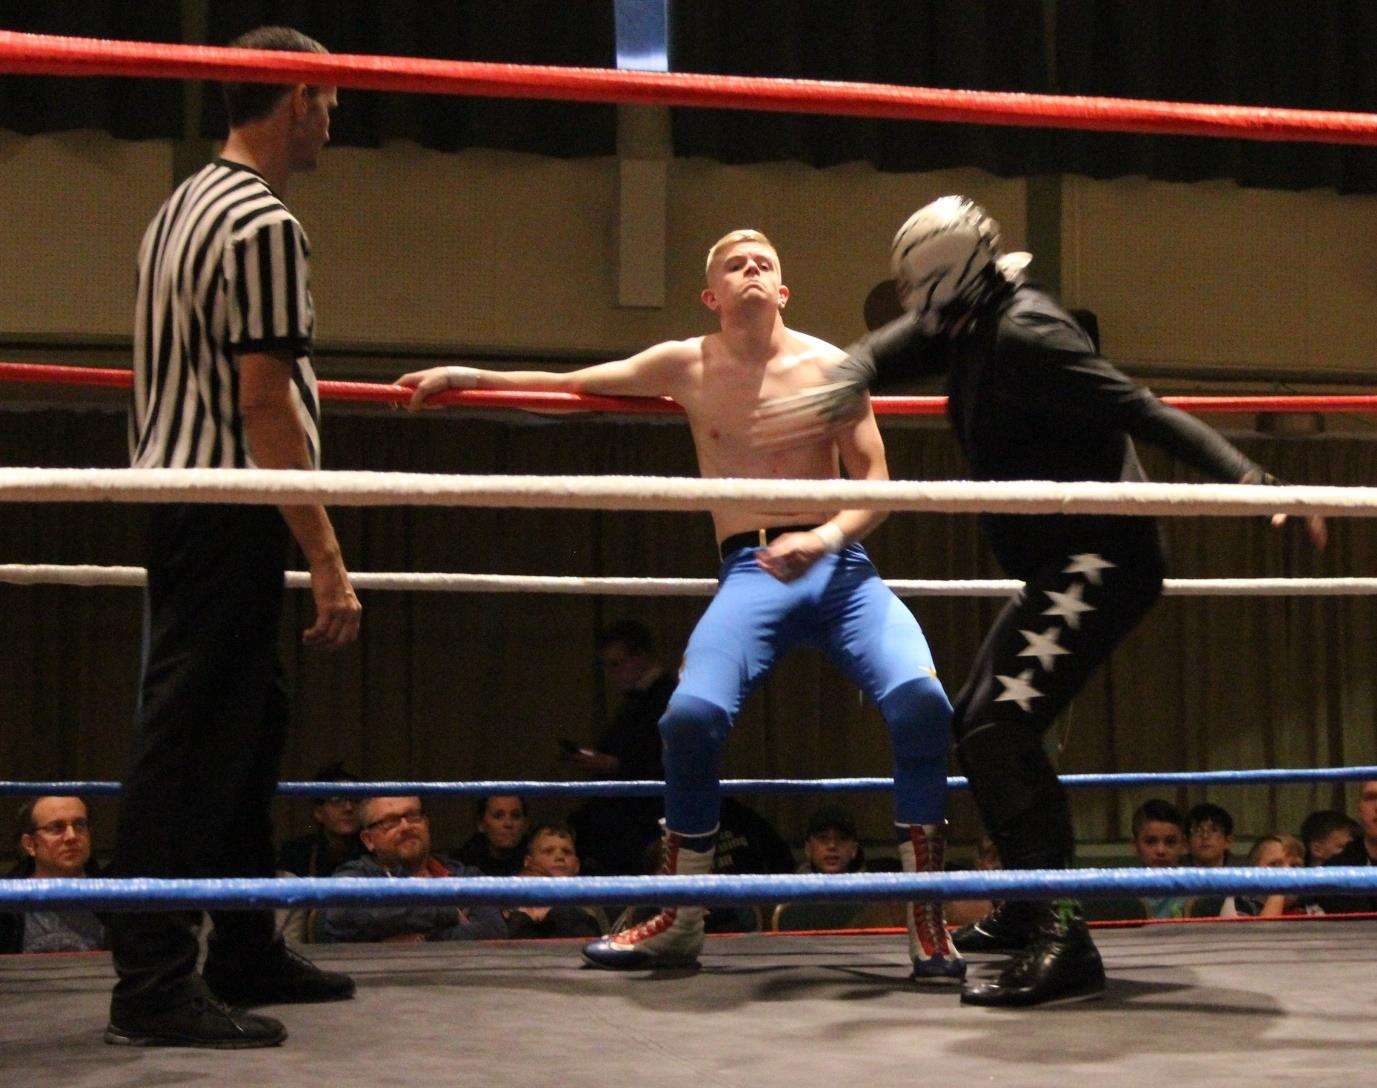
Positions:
(674, 936)
(935, 958)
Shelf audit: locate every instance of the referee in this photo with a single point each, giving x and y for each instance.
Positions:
(223, 379)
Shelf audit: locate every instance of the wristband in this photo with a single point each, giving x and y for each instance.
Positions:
(833, 539)
(461, 377)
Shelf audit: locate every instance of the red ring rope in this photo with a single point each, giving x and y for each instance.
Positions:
(379, 393)
(52, 55)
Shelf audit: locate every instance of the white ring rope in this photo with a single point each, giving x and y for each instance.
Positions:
(32, 574)
(673, 493)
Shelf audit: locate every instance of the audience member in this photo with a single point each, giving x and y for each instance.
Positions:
(396, 836)
(334, 835)
(550, 851)
(1275, 851)
(498, 846)
(1326, 833)
(614, 831)
(831, 845)
(1361, 851)
(1159, 840)
(1210, 833)
(54, 843)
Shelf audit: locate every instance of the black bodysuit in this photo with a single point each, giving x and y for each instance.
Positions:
(1029, 399)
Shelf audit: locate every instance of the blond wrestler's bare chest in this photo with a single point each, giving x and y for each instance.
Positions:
(721, 400)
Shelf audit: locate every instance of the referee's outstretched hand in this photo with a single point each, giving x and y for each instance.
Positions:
(338, 611)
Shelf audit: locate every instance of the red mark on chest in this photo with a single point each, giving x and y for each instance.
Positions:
(714, 434)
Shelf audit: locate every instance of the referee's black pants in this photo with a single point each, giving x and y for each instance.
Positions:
(211, 723)
(1047, 642)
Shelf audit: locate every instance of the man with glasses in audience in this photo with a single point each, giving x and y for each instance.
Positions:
(1210, 834)
(55, 843)
(334, 836)
(396, 835)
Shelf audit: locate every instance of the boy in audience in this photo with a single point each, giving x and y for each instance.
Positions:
(1159, 840)
(1210, 834)
(1275, 851)
(550, 851)
(1326, 833)
(1361, 851)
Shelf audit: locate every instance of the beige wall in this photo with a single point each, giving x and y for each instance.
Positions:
(72, 210)
(474, 251)
(487, 250)
(1212, 273)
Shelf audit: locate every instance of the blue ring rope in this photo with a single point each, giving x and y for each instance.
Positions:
(645, 788)
(140, 893)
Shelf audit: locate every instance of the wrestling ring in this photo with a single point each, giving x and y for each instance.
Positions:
(1282, 1001)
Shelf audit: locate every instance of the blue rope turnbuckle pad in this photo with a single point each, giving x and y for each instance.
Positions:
(140, 893)
(646, 788)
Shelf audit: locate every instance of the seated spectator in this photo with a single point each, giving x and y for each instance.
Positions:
(615, 831)
(1210, 833)
(1361, 851)
(396, 836)
(334, 835)
(1326, 833)
(54, 843)
(550, 851)
(831, 845)
(1159, 840)
(1276, 851)
(498, 846)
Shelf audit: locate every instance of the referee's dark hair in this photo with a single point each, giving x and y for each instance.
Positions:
(245, 102)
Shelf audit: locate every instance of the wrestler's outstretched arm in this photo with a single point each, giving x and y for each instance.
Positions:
(898, 352)
(656, 372)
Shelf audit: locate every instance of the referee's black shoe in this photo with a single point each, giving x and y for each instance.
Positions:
(279, 976)
(197, 1021)
(1060, 963)
(1007, 928)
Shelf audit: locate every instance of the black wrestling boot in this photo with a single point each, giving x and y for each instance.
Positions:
(279, 976)
(198, 1020)
(1004, 929)
(1059, 964)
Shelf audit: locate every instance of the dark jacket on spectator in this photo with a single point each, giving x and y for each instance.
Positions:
(613, 832)
(436, 923)
(477, 852)
(309, 854)
(562, 921)
(1355, 853)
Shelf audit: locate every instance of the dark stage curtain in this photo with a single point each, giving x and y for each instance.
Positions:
(508, 31)
(1312, 55)
(1316, 55)
(132, 109)
(995, 45)
(460, 686)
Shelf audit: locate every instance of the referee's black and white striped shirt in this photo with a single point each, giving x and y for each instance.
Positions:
(223, 270)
